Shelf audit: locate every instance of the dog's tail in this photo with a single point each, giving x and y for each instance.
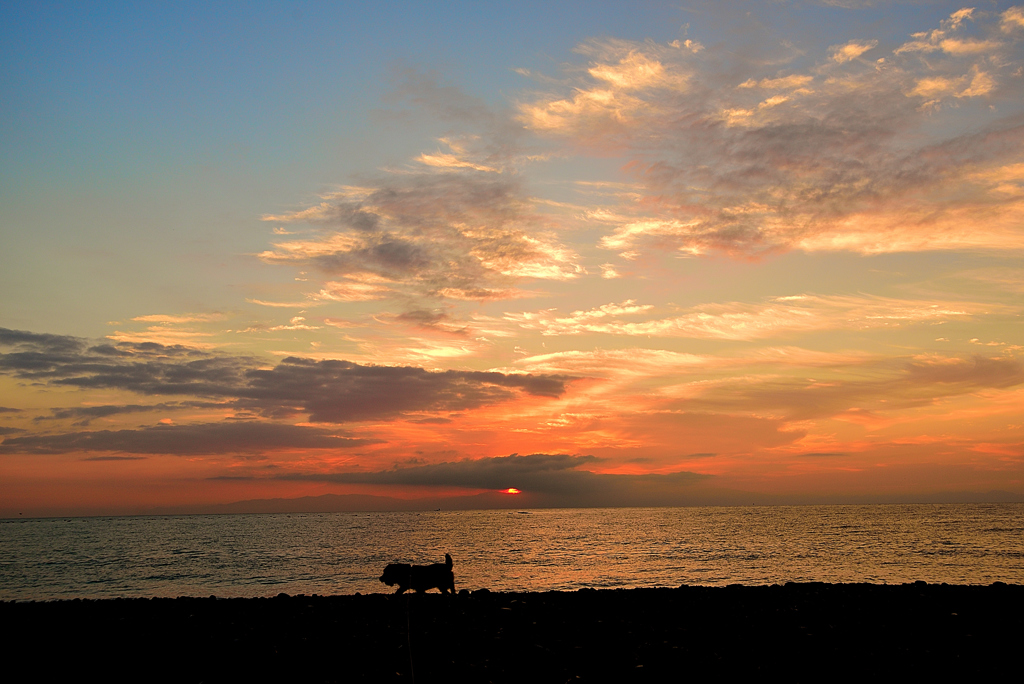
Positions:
(448, 561)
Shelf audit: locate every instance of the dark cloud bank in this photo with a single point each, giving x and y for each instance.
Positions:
(544, 480)
(324, 391)
(186, 440)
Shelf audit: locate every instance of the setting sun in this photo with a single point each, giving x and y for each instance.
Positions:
(510, 490)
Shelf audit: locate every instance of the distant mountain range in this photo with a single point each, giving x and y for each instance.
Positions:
(334, 503)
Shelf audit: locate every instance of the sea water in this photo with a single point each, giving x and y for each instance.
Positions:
(536, 550)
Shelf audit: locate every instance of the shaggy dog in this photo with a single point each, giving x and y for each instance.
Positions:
(420, 577)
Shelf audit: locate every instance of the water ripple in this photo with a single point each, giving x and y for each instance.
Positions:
(343, 553)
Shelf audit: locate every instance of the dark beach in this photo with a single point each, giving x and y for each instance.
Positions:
(801, 632)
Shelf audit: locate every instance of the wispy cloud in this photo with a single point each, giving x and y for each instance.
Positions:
(458, 157)
(166, 335)
(743, 321)
(285, 305)
(186, 440)
(851, 50)
(295, 323)
(891, 386)
(180, 318)
(673, 366)
(84, 415)
(852, 154)
(432, 320)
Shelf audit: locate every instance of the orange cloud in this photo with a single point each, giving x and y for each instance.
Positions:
(462, 236)
(817, 160)
(740, 321)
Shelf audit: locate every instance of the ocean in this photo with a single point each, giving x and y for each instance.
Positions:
(530, 550)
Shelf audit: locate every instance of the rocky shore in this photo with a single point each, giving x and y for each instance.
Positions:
(801, 632)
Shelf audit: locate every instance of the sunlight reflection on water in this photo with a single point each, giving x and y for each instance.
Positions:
(539, 550)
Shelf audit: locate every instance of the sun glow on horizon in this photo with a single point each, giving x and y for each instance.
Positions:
(510, 490)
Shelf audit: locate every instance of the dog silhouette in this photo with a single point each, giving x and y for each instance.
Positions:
(420, 578)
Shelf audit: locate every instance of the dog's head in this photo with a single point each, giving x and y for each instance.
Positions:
(396, 573)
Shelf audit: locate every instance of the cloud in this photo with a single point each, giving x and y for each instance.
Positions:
(577, 322)
(1012, 19)
(820, 454)
(355, 288)
(341, 391)
(456, 236)
(455, 159)
(977, 371)
(543, 472)
(453, 225)
(693, 394)
(737, 155)
(743, 321)
(892, 385)
(851, 50)
(615, 97)
(555, 477)
(618, 362)
(295, 323)
(183, 318)
(791, 82)
(284, 305)
(166, 335)
(431, 319)
(787, 383)
(664, 363)
(186, 440)
(43, 342)
(328, 390)
(115, 458)
(86, 414)
(999, 278)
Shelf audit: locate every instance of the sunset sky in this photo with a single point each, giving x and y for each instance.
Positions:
(602, 253)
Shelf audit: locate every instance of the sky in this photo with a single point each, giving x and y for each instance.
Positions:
(604, 254)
